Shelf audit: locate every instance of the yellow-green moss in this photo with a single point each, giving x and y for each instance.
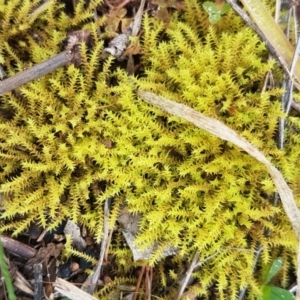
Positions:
(76, 138)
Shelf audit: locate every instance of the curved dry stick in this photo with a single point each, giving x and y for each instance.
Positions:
(220, 130)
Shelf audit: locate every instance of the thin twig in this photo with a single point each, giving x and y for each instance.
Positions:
(137, 287)
(108, 244)
(148, 280)
(201, 263)
(2, 73)
(187, 276)
(17, 248)
(40, 9)
(277, 10)
(90, 284)
(136, 26)
(288, 103)
(70, 290)
(36, 71)
(120, 6)
(70, 55)
(138, 19)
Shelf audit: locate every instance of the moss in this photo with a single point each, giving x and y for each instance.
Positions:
(75, 139)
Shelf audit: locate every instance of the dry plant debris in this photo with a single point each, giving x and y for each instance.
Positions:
(68, 251)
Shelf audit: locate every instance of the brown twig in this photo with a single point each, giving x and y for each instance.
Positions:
(148, 281)
(18, 248)
(138, 284)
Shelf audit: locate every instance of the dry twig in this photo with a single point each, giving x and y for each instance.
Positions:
(187, 276)
(90, 284)
(70, 55)
(36, 71)
(220, 130)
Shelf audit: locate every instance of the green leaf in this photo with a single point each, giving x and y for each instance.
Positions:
(210, 8)
(6, 275)
(271, 292)
(274, 269)
(213, 11)
(225, 8)
(214, 18)
(266, 292)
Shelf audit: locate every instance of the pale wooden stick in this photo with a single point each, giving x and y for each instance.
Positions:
(71, 291)
(90, 283)
(220, 130)
(184, 282)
